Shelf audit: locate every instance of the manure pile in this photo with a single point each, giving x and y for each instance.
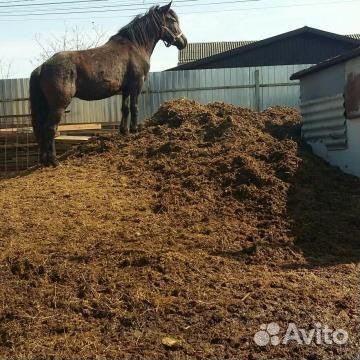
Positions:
(180, 242)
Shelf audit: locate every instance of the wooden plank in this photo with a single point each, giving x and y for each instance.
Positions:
(75, 127)
(72, 138)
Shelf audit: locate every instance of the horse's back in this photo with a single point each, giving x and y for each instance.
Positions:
(96, 73)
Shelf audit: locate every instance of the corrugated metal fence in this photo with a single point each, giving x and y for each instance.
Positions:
(256, 88)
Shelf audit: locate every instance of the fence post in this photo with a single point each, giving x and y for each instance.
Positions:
(257, 90)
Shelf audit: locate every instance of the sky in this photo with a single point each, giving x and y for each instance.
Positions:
(22, 29)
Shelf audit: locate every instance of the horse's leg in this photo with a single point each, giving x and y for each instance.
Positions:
(54, 118)
(44, 141)
(43, 147)
(134, 98)
(125, 110)
(59, 88)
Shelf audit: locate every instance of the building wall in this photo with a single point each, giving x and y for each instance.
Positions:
(348, 160)
(327, 82)
(330, 82)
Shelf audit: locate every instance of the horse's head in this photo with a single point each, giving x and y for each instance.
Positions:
(171, 33)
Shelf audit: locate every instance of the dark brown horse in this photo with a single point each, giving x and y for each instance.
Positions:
(119, 66)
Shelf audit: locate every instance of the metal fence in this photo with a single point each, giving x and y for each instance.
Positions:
(256, 88)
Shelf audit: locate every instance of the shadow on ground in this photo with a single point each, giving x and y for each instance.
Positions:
(325, 209)
(324, 206)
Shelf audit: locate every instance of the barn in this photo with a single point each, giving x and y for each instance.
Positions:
(301, 46)
(330, 107)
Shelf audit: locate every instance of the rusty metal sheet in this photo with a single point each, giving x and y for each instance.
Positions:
(352, 96)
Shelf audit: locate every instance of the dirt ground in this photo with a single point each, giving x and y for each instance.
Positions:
(180, 242)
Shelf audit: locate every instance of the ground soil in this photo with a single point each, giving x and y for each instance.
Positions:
(180, 242)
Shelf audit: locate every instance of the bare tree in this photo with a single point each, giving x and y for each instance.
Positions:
(73, 38)
(5, 69)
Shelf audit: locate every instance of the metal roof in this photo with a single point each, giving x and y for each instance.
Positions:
(253, 44)
(354, 36)
(327, 63)
(196, 51)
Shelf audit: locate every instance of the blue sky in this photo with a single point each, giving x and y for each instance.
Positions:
(226, 21)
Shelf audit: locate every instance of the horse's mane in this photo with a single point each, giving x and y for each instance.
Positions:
(141, 28)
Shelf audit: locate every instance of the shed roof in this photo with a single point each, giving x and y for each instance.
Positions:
(327, 63)
(196, 51)
(253, 45)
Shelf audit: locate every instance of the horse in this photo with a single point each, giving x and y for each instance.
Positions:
(120, 66)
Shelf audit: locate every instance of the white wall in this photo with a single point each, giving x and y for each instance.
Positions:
(348, 159)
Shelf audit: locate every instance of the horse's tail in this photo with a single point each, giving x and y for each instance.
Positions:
(38, 103)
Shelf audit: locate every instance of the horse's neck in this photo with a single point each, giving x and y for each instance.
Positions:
(151, 46)
(148, 48)
(146, 45)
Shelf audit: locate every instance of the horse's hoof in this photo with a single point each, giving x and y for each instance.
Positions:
(45, 162)
(55, 163)
(123, 131)
(133, 130)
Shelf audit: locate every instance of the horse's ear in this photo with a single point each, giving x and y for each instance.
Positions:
(165, 8)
